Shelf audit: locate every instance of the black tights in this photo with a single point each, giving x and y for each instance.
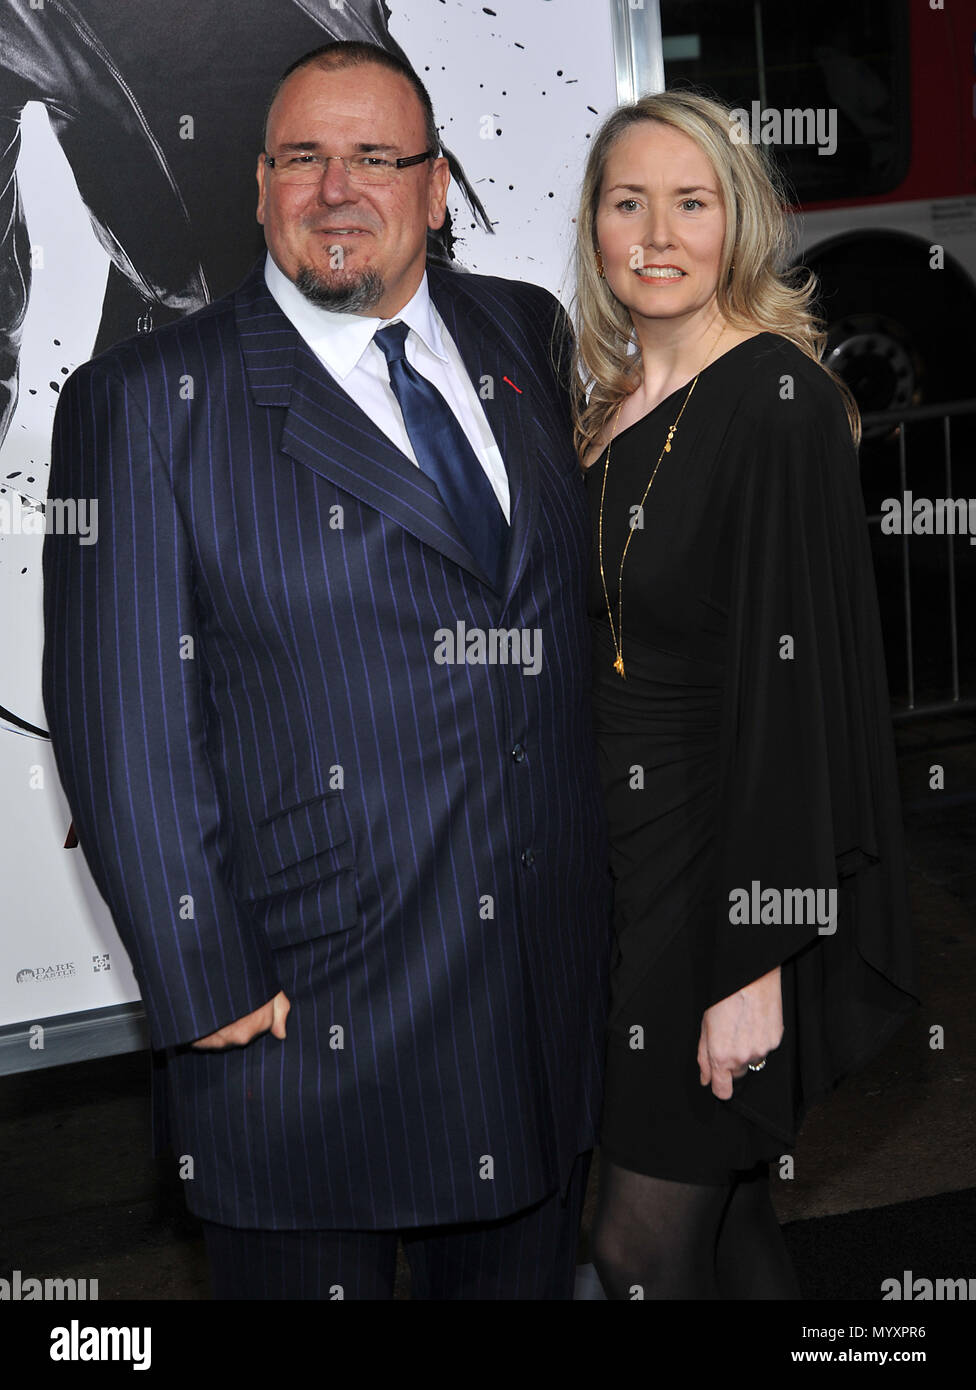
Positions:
(658, 1239)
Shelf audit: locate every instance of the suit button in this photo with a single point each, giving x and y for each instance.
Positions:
(528, 858)
(518, 753)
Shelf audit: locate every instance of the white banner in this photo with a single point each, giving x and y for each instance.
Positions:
(517, 87)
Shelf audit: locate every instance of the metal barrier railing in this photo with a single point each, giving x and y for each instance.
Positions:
(956, 702)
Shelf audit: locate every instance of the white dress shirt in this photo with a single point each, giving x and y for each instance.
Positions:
(344, 345)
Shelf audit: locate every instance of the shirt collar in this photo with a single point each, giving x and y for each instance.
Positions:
(341, 339)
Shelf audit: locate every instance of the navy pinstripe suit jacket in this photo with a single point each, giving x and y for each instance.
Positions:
(278, 785)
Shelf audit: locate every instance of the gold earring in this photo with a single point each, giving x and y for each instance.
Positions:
(599, 266)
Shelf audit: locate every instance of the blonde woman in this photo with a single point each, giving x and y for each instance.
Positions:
(741, 703)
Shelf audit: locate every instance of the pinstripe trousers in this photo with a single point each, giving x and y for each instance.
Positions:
(528, 1255)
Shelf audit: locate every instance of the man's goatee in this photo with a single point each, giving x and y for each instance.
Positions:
(362, 294)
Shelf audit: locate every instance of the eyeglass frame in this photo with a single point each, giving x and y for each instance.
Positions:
(403, 163)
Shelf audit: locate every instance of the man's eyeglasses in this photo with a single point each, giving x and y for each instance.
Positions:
(305, 167)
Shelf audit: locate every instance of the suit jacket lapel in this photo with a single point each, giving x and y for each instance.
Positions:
(326, 431)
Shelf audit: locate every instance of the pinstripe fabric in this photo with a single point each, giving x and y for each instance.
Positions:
(277, 786)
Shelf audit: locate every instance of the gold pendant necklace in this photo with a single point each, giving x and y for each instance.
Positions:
(618, 633)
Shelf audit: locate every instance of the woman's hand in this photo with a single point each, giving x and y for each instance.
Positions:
(741, 1029)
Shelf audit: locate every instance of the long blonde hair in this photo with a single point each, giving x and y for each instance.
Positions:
(761, 292)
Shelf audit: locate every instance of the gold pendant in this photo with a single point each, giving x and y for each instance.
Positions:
(618, 666)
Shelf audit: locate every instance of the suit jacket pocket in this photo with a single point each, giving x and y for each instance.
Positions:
(297, 870)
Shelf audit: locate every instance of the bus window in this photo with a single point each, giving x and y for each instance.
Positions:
(844, 59)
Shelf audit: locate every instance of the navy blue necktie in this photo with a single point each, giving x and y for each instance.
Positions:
(446, 456)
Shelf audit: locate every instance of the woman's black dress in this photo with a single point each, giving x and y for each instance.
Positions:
(749, 748)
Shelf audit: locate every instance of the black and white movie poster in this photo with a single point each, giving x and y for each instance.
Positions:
(130, 132)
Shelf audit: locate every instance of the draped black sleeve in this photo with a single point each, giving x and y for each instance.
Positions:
(808, 821)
